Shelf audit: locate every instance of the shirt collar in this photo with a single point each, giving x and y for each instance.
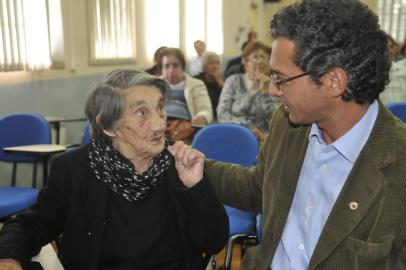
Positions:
(351, 143)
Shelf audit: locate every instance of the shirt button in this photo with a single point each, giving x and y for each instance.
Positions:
(301, 247)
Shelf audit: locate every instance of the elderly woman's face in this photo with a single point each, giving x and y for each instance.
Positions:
(172, 70)
(213, 65)
(141, 129)
(257, 64)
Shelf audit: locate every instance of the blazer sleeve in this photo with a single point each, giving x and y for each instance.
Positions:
(23, 236)
(207, 221)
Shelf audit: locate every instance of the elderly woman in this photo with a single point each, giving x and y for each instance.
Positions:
(244, 99)
(156, 69)
(126, 200)
(212, 77)
(185, 89)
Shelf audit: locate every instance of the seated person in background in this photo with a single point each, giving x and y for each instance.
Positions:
(212, 77)
(126, 200)
(244, 99)
(185, 91)
(195, 65)
(156, 69)
(394, 48)
(395, 91)
(235, 65)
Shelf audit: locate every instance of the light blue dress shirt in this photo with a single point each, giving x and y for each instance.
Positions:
(324, 172)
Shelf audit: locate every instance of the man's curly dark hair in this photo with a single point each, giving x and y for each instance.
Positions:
(337, 33)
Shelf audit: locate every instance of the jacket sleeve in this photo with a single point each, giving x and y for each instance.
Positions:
(201, 100)
(23, 236)
(239, 186)
(207, 222)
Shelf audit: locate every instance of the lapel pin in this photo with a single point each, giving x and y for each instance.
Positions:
(353, 205)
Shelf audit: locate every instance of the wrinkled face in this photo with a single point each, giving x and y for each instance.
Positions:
(213, 65)
(141, 129)
(257, 64)
(303, 100)
(172, 70)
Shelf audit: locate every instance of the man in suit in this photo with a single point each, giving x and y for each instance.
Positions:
(330, 179)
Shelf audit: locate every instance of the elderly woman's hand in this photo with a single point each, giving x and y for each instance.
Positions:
(189, 162)
(10, 264)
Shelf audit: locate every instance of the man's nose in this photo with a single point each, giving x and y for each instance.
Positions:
(274, 90)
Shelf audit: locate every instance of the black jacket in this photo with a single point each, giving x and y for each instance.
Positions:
(75, 204)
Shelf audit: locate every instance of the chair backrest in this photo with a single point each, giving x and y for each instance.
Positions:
(16, 199)
(228, 143)
(22, 129)
(86, 133)
(398, 109)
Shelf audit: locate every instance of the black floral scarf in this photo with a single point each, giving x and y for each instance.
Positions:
(112, 168)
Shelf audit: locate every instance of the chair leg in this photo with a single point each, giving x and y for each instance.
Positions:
(214, 262)
(13, 174)
(244, 240)
(34, 174)
(229, 250)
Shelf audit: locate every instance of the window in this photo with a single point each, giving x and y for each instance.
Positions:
(203, 21)
(26, 41)
(161, 24)
(392, 16)
(112, 31)
(179, 23)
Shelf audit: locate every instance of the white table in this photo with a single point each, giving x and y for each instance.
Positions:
(43, 150)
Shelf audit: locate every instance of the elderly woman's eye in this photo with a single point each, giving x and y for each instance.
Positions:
(140, 112)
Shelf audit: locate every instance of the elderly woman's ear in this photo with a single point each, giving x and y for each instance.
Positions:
(110, 133)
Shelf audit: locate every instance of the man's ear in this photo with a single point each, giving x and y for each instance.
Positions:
(336, 80)
(109, 133)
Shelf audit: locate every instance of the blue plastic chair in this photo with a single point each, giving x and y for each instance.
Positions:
(259, 227)
(15, 199)
(233, 144)
(23, 129)
(398, 109)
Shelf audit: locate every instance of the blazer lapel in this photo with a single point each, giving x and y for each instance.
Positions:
(96, 197)
(363, 187)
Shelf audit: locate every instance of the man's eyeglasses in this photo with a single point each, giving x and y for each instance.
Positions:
(278, 82)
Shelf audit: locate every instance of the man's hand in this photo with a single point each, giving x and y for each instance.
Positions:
(10, 264)
(189, 162)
